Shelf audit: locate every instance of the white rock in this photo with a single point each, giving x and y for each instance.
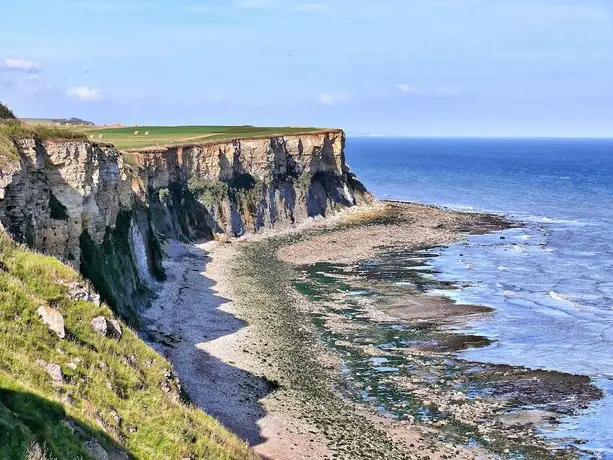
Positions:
(53, 370)
(106, 327)
(53, 319)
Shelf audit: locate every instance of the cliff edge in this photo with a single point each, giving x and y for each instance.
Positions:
(108, 213)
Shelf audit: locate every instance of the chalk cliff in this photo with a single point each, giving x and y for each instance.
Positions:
(108, 213)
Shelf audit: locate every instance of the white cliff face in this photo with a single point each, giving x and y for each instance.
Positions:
(264, 158)
(60, 190)
(293, 178)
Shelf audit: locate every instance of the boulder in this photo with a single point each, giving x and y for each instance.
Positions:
(53, 320)
(53, 370)
(106, 327)
(95, 450)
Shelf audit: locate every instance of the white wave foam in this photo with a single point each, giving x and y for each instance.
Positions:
(559, 297)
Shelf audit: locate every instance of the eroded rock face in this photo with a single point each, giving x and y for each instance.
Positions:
(80, 202)
(62, 190)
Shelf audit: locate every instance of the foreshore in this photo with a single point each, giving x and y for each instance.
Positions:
(322, 342)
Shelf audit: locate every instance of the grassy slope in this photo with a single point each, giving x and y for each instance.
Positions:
(124, 138)
(151, 425)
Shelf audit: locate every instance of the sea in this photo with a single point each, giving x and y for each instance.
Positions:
(549, 281)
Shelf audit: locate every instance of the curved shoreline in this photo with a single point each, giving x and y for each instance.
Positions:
(258, 357)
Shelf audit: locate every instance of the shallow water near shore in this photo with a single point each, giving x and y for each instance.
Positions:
(550, 282)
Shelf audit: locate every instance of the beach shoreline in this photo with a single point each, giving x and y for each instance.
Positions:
(254, 350)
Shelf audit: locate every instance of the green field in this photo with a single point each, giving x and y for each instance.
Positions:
(152, 136)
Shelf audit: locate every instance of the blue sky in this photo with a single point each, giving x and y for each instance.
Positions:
(390, 67)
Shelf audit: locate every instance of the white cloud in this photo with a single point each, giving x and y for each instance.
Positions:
(21, 65)
(84, 93)
(256, 4)
(439, 91)
(449, 91)
(311, 7)
(333, 98)
(408, 89)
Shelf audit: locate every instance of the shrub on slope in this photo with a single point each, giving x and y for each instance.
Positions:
(6, 113)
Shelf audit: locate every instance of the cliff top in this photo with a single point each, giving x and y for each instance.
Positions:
(152, 137)
(11, 130)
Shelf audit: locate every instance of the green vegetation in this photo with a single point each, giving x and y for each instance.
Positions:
(207, 191)
(248, 191)
(58, 121)
(6, 113)
(13, 130)
(136, 137)
(163, 194)
(116, 391)
(304, 180)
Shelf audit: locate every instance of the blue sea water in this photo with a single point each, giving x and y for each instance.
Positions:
(551, 282)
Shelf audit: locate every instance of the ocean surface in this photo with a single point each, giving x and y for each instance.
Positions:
(551, 282)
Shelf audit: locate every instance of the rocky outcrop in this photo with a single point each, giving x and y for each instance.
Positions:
(74, 200)
(88, 205)
(106, 327)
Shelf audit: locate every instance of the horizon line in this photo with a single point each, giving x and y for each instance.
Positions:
(509, 137)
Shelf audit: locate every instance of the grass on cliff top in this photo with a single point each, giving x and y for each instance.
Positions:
(12, 130)
(138, 137)
(112, 390)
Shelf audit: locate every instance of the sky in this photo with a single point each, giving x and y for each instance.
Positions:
(385, 67)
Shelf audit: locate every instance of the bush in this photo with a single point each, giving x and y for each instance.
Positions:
(208, 192)
(304, 180)
(163, 194)
(15, 129)
(6, 113)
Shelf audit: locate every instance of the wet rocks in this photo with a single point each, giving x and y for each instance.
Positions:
(53, 319)
(107, 327)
